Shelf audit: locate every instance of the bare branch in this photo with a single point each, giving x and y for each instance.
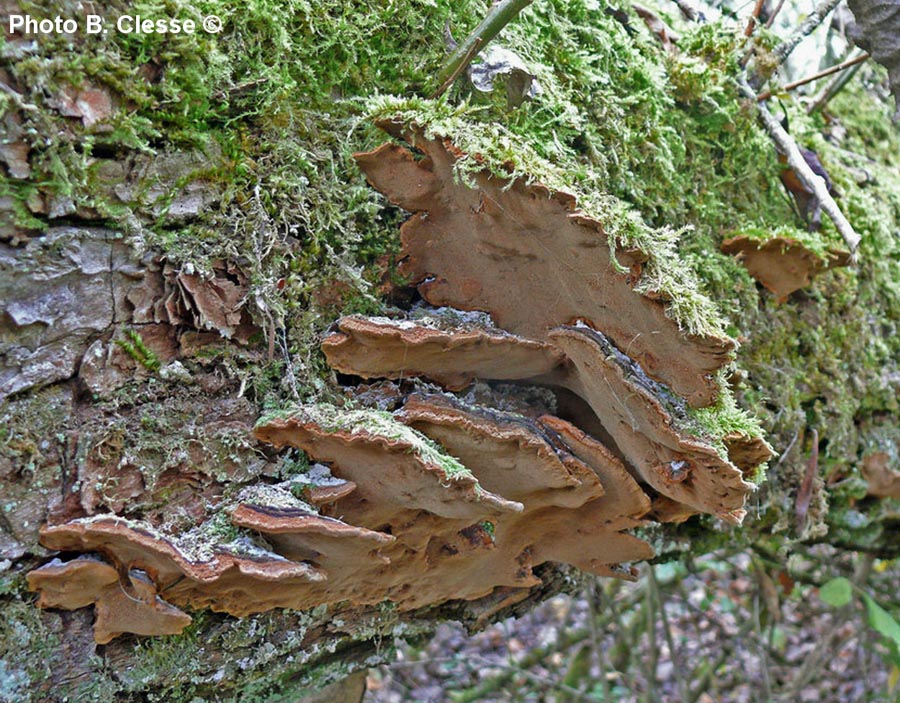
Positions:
(754, 17)
(500, 14)
(816, 184)
(832, 89)
(774, 14)
(821, 74)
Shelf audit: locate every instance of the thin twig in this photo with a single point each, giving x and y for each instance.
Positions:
(473, 50)
(531, 659)
(667, 631)
(653, 653)
(544, 682)
(815, 18)
(762, 649)
(832, 89)
(814, 183)
(707, 676)
(765, 95)
(787, 450)
(594, 611)
(754, 17)
(497, 18)
(774, 13)
(18, 98)
(240, 88)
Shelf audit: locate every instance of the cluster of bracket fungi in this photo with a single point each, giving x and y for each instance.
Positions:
(551, 419)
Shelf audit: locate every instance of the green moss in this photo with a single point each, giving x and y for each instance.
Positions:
(135, 348)
(378, 425)
(725, 418)
(27, 647)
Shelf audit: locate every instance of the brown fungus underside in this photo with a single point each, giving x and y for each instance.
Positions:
(84, 581)
(782, 265)
(527, 256)
(451, 497)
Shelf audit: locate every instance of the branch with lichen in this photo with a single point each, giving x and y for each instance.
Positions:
(500, 15)
(781, 52)
(795, 160)
(748, 88)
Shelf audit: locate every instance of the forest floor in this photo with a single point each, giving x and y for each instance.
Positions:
(727, 628)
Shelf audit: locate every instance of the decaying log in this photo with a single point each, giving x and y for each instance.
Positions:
(467, 496)
(445, 499)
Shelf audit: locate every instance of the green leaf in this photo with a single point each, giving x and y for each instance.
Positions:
(882, 621)
(837, 592)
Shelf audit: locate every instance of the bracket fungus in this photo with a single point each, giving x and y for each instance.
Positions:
(221, 579)
(497, 246)
(563, 420)
(215, 302)
(85, 581)
(401, 349)
(638, 415)
(552, 500)
(782, 265)
(633, 410)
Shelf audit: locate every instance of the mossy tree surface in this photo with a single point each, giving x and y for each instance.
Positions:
(237, 147)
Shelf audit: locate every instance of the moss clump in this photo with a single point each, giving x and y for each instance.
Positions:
(377, 424)
(27, 646)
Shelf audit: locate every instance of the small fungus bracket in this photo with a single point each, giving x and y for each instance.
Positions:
(86, 581)
(781, 264)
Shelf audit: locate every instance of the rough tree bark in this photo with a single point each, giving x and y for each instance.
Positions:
(243, 450)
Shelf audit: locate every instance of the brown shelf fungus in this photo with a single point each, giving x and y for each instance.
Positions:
(500, 242)
(85, 581)
(453, 357)
(440, 553)
(577, 498)
(647, 424)
(782, 265)
(217, 577)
